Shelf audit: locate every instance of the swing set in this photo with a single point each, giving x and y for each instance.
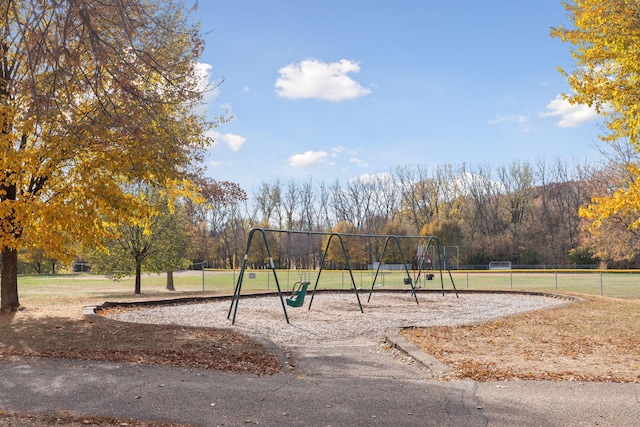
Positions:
(301, 287)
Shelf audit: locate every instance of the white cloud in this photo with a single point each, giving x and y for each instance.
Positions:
(467, 183)
(308, 158)
(203, 81)
(216, 164)
(521, 121)
(234, 142)
(382, 177)
(497, 121)
(571, 115)
(359, 162)
(315, 79)
(336, 151)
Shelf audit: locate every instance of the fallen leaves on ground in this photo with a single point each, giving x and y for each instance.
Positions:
(106, 340)
(66, 420)
(594, 339)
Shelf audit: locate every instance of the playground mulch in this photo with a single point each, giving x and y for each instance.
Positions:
(594, 339)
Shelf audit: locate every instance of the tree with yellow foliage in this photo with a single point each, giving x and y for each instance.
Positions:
(156, 242)
(606, 40)
(354, 245)
(94, 96)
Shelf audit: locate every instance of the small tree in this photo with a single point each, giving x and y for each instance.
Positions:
(354, 246)
(155, 241)
(34, 257)
(171, 245)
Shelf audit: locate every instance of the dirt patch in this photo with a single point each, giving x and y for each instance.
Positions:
(21, 420)
(595, 339)
(47, 333)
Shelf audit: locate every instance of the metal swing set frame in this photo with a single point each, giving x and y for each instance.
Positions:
(430, 240)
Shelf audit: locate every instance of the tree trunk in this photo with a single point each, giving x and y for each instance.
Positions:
(138, 278)
(9, 281)
(170, 286)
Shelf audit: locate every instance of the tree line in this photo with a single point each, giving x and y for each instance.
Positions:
(523, 212)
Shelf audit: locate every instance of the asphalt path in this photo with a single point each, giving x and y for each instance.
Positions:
(351, 383)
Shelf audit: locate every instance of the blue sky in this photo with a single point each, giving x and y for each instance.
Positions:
(333, 90)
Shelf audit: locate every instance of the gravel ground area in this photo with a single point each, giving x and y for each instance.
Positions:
(336, 316)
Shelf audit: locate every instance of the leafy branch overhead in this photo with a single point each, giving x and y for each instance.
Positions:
(605, 38)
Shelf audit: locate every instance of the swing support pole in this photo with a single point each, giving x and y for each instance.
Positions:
(346, 258)
(404, 263)
(238, 288)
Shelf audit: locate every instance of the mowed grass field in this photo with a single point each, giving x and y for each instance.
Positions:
(91, 289)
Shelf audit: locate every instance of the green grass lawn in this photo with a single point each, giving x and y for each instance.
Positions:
(613, 284)
(92, 289)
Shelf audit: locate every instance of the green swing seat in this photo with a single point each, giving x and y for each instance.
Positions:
(297, 294)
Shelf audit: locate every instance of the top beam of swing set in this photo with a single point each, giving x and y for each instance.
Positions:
(388, 238)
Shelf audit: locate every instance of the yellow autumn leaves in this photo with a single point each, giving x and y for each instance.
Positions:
(606, 46)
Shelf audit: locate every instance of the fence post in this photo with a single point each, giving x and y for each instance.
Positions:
(556, 280)
(601, 283)
(467, 280)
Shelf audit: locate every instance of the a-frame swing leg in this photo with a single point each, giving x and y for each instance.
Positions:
(236, 293)
(346, 258)
(440, 258)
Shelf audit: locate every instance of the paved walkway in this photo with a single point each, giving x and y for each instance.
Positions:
(355, 383)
